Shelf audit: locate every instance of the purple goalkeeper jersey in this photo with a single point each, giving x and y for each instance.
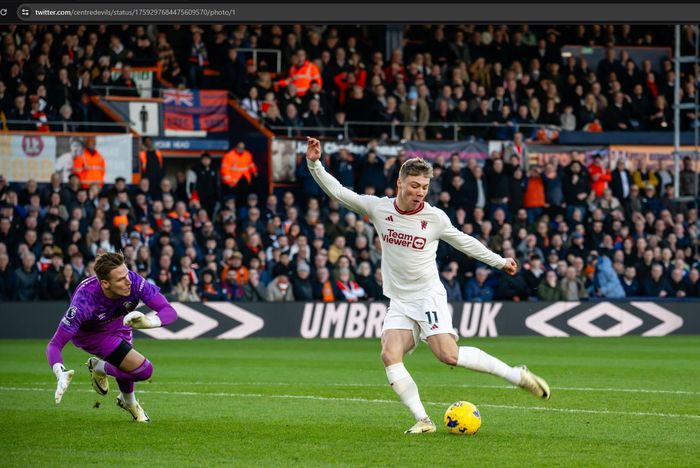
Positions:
(92, 315)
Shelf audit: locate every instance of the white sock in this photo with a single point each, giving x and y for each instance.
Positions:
(404, 386)
(475, 359)
(128, 398)
(100, 367)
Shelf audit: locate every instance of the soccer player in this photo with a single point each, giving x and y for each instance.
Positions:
(410, 231)
(99, 320)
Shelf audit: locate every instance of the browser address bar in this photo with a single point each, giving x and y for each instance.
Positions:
(52, 12)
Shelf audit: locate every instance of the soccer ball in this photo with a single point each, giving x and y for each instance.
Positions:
(462, 418)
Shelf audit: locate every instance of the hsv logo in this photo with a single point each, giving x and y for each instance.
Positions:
(423, 224)
(404, 240)
(389, 218)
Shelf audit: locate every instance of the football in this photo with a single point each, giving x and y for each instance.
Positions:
(462, 418)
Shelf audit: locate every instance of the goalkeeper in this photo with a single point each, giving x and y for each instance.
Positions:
(100, 320)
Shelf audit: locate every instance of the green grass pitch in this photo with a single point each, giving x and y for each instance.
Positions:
(262, 402)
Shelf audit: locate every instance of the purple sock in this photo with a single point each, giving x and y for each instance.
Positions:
(126, 386)
(142, 372)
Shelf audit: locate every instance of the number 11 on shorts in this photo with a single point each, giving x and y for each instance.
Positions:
(434, 317)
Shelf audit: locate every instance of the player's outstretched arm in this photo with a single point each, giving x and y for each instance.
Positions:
(472, 247)
(163, 314)
(53, 354)
(358, 203)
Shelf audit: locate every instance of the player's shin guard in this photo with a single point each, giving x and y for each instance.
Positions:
(407, 390)
(475, 359)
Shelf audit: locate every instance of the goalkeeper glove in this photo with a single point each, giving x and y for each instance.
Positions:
(139, 320)
(63, 378)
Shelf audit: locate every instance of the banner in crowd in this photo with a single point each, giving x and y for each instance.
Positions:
(536, 154)
(36, 156)
(226, 320)
(662, 156)
(192, 112)
(285, 151)
(434, 150)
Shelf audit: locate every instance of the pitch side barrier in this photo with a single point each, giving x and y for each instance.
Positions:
(226, 320)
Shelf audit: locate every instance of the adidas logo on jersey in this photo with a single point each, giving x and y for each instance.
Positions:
(389, 218)
(435, 326)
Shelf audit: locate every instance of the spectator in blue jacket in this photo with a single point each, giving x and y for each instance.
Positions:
(606, 281)
(448, 276)
(476, 289)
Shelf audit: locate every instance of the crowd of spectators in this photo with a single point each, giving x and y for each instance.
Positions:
(479, 76)
(580, 231)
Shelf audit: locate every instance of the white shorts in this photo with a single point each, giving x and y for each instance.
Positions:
(427, 316)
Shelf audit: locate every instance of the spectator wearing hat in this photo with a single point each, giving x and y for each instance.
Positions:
(234, 264)
(533, 272)
(415, 113)
(301, 283)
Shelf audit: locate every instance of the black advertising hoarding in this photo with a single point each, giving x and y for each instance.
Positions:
(226, 320)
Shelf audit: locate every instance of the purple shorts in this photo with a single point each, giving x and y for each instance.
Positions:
(102, 344)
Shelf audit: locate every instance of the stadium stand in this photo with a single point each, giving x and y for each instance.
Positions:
(580, 230)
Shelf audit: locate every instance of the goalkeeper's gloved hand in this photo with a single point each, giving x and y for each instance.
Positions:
(63, 378)
(139, 320)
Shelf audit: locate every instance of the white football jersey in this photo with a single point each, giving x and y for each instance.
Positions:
(409, 239)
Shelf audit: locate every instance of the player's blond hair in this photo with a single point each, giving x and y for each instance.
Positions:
(106, 262)
(416, 167)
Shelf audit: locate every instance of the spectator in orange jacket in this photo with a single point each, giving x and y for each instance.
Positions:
(600, 176)
(302, 73)
(534, 199)
(237, 172)
(90, 166)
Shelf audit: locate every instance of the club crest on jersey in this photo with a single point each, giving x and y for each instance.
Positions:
(423, 224)
(127, 305)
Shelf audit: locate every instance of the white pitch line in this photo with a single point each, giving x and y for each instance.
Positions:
(382, 401)
(422, 385)
(502, 387)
